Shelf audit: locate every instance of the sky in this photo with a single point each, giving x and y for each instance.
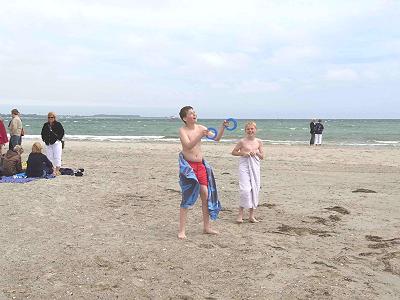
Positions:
(242, 59)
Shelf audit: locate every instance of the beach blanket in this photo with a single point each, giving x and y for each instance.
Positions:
(191, 188)
(12, 179)
(21, 178)
(249, 181)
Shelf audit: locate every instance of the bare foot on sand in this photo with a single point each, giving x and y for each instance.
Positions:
(253, 220)
(210, 231)
(239, 220)
(181, 235)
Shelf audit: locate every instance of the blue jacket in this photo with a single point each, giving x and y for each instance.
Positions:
(191, 188)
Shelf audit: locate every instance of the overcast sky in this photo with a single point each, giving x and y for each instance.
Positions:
(244, 59)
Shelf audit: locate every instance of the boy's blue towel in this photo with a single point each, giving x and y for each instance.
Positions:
(191, 188)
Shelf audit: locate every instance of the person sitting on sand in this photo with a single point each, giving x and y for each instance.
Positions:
(12, 161)
(195, 174)
(251, 151)
(38, 165)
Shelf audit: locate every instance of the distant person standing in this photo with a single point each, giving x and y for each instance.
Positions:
(52, 135)
(3, 136)
(318, 129)
(15, 127)
(312, 132)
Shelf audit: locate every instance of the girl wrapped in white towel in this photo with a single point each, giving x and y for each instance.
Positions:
(251, 152)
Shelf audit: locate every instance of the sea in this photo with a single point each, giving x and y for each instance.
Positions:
(345, 132)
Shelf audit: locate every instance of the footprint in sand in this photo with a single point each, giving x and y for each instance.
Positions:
(363, 191)
(268, 205)
(302, 230)
(391, 261)
(338, 209)
(206, 246)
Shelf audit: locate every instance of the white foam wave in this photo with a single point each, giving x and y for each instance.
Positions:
(387, 142)
(103, 137)
(161, 138)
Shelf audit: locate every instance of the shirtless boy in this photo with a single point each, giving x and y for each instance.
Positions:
(190, 135)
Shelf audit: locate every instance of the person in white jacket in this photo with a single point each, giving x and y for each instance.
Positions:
(15, 127)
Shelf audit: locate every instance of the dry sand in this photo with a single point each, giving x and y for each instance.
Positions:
(112, 233)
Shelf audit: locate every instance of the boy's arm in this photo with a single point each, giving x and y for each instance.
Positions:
(260, 152)
(221, 131)
(189, 144)
(236, 151)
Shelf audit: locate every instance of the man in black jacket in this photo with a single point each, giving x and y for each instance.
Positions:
(312, 131)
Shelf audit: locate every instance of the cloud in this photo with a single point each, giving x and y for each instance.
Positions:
(127, 53)
(225, 60)
(294, 54)
(257, 86)
(345, 74)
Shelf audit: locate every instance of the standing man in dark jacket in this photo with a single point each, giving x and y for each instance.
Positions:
(52, 135)
(312, 132)
(318, 132)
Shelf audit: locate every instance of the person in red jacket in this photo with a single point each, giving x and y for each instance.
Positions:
(3, 136)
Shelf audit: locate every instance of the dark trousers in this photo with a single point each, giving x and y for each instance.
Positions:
(312, 139)
(14, 141)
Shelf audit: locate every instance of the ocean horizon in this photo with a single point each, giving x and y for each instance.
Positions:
(102, 127)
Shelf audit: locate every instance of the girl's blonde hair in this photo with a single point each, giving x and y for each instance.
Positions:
(251, 123)
(52, 114)
(37, 147)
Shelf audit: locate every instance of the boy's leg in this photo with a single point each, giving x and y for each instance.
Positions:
(252, 219)
(182, 223)
(204, 207)
(240, 215)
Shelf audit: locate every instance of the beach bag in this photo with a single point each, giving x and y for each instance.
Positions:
(67, 171)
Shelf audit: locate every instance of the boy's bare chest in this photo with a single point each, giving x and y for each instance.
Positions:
(191, 134)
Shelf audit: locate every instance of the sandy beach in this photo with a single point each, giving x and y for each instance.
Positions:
(113, 232)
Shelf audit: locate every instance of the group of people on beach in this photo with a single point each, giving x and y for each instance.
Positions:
(196, 175)
(38, 164)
